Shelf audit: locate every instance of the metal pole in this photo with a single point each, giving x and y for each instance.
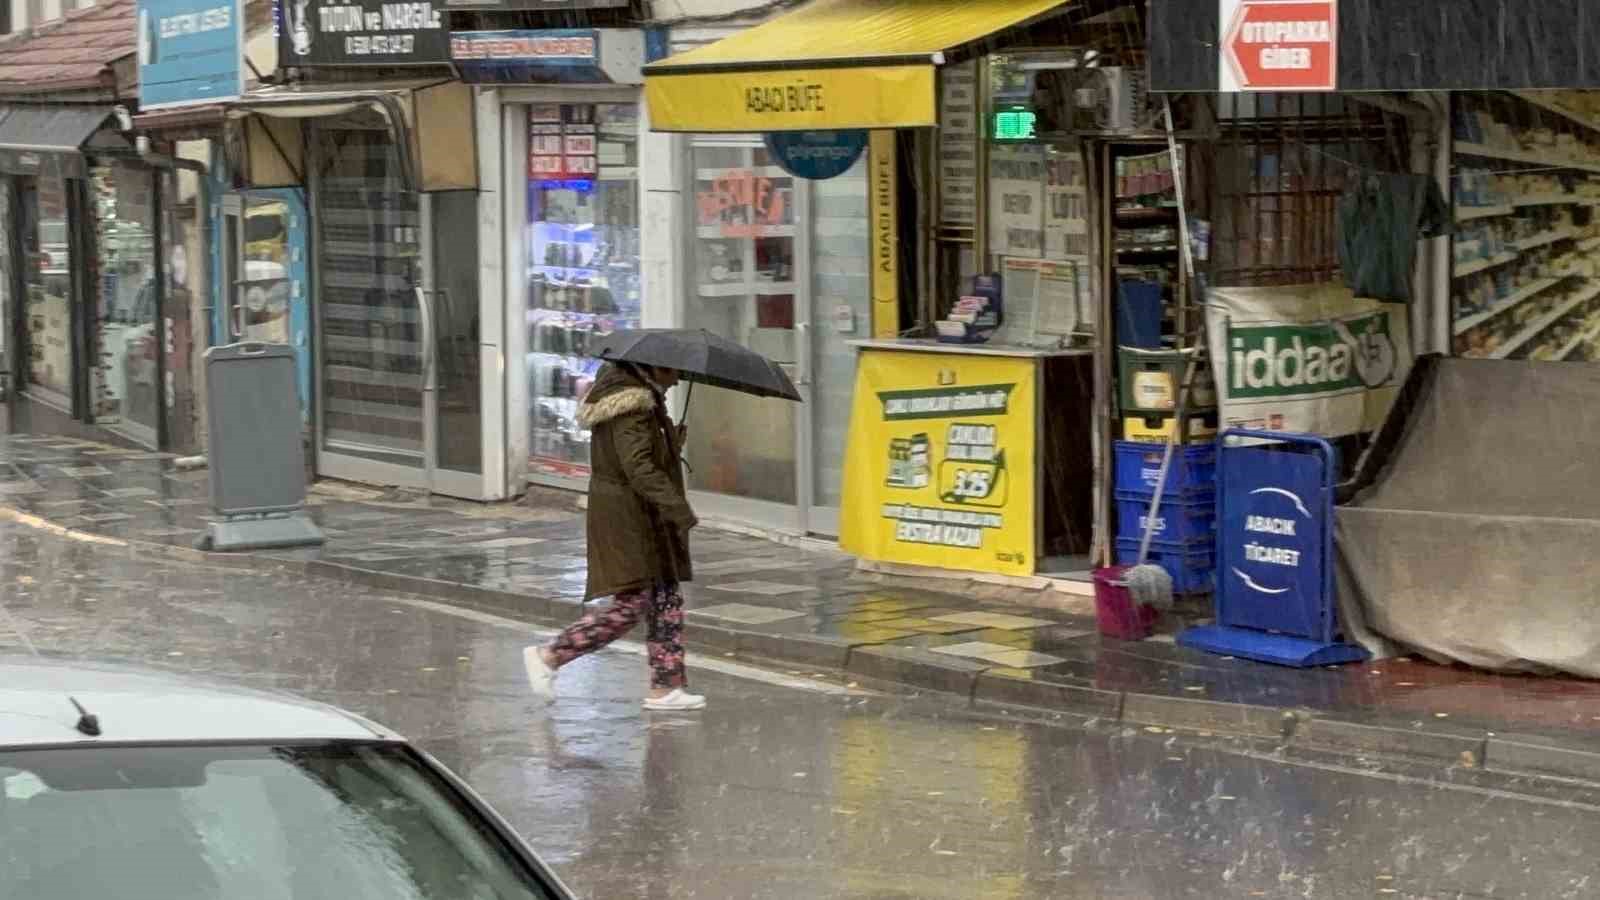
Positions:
(429, 386)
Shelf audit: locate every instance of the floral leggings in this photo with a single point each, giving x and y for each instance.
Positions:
(662, 608)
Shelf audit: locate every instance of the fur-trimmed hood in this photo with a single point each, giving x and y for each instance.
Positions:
(616, 392)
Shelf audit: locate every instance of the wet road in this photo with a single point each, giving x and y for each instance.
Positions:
(791, 786)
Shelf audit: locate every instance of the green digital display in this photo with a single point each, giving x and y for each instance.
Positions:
(1015, 123)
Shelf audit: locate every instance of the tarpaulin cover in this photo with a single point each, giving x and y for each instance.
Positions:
(1478, 539)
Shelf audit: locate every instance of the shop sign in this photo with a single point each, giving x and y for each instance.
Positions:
(566, 47)
(363, 33)
(1273, 538)
(940, 465)
(816, 155)
(562, 142)
(1313, 358)
(1279, 45)
(883, 205)
(792, 99)
(536, 5)
(190, 52)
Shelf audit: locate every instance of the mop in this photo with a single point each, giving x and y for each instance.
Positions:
(1149, 584)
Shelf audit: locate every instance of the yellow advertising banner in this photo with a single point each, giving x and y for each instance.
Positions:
(940, 465)
(896, 96)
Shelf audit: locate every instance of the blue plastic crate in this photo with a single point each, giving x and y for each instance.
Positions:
(1193, 472)
(1193, 567)
(1177, 521)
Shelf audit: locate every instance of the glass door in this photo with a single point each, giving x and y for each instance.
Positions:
(387, 326)
(840, 272)
(747, 285)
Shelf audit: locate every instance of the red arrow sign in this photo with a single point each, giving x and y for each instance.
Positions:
(1283, 45)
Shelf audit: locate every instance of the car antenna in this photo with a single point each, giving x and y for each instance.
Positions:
(88, 723)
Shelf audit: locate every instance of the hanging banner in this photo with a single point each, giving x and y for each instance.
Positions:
(362, 33)
(884, 197)
(1278, 45)
(1016, 200)
(940, 465)
(1313, 359)
(958, 144)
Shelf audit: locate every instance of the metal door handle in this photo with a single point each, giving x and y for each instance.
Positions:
(803, 354)
(425, 319)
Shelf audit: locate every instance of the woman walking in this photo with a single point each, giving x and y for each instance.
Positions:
(638, 534)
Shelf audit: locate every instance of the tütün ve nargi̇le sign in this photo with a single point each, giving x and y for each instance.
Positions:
(363, 33)
(940, 467)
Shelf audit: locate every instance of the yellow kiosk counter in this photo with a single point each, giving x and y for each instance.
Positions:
(974, 457)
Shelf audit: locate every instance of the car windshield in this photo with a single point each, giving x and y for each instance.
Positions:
(354, 822)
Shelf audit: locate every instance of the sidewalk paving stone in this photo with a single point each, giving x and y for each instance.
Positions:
(758, 598)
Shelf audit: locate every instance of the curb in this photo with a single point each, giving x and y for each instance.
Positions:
(982, 685)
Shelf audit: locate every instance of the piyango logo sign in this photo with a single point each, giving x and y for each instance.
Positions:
(1355, 353)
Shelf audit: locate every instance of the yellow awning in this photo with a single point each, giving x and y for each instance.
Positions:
(830, 64)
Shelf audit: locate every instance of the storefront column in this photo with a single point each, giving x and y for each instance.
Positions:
(492, 293)
(664, 247)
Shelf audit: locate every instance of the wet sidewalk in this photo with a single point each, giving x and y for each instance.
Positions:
(815, 611)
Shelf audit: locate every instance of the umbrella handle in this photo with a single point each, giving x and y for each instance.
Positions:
(684, 420)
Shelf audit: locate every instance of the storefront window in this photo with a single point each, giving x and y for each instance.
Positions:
(265, 297)
(126, 370)
(583, 263)
(48, 264)
(6, 268)
(745, 284)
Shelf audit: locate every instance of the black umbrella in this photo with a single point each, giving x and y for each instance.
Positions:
(699, 356)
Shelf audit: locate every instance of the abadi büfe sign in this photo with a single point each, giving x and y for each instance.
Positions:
(1313, 359)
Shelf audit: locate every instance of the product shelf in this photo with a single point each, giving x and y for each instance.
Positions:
(1479, 265)
(1584, 338)
(1549, 200)
(1538, 325)
(1549, 237)
(1469, 213)
(1468, 148)
(1536, 99)
(1468, 323)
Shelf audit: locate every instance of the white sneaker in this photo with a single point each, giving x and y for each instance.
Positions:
(679, 700)
(541, 678)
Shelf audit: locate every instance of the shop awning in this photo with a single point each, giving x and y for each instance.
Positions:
(37, 138)
(50, 129)
(830, 64)
(432, 124)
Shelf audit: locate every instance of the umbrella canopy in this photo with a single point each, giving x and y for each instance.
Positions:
(699, 356)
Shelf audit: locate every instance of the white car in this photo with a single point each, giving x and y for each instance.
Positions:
(120, 782)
